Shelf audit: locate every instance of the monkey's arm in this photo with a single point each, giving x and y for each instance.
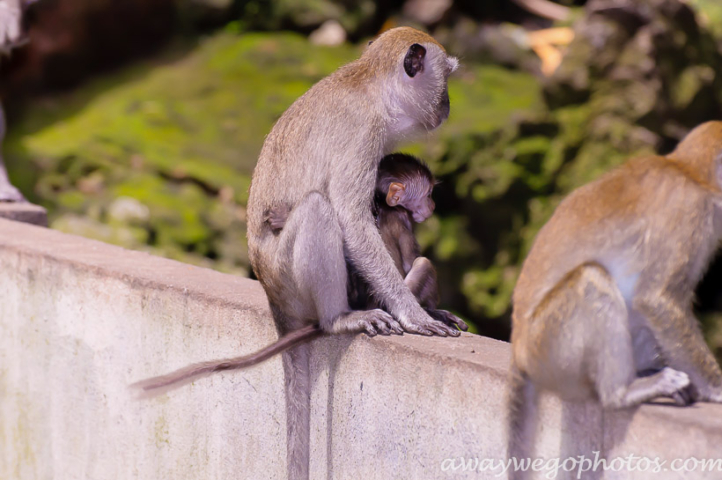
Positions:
(366, 251)
(677, 332)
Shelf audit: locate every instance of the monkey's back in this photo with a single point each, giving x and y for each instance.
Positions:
(310, 147)
(620, 221)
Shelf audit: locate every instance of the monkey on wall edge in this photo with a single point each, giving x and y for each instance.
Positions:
(603, 306)
(320, 159)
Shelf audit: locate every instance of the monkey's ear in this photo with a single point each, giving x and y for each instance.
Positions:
(414, 60)
(396, 191)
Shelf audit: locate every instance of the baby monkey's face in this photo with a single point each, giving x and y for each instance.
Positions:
(416, 198)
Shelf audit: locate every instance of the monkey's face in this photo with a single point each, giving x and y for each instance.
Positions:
(416, 92)
(416, 198)
(423, 208)
(424, 83)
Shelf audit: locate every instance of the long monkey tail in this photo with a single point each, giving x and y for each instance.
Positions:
(180, 377)
(522, 416)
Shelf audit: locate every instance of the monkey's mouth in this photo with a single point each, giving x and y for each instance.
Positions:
(444, 108)
(418, 217)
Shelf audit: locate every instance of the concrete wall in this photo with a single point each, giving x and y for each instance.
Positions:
(80, 320)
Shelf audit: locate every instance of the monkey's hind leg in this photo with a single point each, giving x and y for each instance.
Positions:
(320, 271)
(313, 287)
(596, 311)
(421, 280)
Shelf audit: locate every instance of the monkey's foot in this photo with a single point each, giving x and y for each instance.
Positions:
(449, 319)
(673, 383)
(372, 322)
(425, 325)
(8, 193)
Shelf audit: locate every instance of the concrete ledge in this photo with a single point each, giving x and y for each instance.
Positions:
(80, 320)
(24, 212)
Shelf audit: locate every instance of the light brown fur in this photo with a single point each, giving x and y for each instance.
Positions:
(606, 291)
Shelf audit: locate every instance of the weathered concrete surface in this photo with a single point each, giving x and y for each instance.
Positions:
(24, 212)
(80, 320)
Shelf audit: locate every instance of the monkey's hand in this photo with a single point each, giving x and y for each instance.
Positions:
(448, 318)
(422, 323)
(372, 322)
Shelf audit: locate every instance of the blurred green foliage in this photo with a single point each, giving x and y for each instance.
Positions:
(174, 143)
(159, 157)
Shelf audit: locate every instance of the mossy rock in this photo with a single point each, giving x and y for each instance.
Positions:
(180, 136)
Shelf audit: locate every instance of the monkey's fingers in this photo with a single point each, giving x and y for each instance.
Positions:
(414, 328)
(681, 399)
(382, 328)
(428, 326)
(685, 396)
(446, 330)
(449, 318)
(441, 328)
(381, 322)
(396, 327)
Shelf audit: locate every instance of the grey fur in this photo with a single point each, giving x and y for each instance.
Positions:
(321, 160)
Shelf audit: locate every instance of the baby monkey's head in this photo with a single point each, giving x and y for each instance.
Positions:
(405, 181)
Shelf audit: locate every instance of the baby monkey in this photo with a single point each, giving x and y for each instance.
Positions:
(402, 197)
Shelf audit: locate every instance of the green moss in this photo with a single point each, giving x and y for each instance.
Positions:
(181, 136)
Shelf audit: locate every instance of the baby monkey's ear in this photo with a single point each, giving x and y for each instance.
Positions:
(396, 193)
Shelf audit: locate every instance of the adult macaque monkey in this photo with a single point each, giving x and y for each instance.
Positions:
(321, 159)
(403, 195)
(603, 305)
(319, 162)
